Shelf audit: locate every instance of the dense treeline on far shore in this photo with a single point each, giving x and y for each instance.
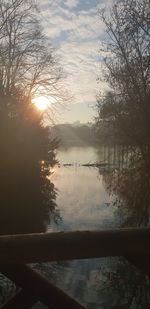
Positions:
(78, 134)
(75, 134)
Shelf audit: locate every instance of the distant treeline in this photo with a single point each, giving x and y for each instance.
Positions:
(74, 135)
(88, 134)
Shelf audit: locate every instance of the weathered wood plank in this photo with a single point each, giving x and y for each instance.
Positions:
(22, 299)
(40, 288)
(74, 245)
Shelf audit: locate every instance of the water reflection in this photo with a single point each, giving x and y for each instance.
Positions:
(87, 201)
(130, 191)
(82, 199)
(77, 155)
(27, 204)
(27, 198)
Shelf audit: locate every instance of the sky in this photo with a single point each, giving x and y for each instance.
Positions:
(75, 31)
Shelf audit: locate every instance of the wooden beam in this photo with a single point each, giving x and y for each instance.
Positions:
(39, 287)
(32, 248)
(22, 299)
(142, 262)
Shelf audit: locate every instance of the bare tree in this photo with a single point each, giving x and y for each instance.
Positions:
(27, 60)
(127, 70)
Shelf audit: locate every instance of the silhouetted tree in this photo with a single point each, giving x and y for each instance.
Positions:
(27, 67)
(26, 57)
(125, 108)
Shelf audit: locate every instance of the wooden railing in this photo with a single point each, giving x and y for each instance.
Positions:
(18, 250)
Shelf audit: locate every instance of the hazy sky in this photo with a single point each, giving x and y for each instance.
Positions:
(75, 30)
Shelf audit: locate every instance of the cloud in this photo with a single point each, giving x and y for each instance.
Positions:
(71, 3)
(75, 30)
(78, 24)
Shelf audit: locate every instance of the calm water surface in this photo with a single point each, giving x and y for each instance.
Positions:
(85, 204)
(82, 197)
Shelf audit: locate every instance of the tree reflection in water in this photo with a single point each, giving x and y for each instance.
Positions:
(27, 200)
(130, 189)
(124, 286)
(27, 196)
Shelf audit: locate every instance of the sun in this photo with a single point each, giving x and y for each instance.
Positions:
(41, 103)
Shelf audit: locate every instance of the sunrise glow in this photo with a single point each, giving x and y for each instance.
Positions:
(41, 103)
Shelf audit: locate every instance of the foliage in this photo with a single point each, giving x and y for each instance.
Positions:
(27, 66)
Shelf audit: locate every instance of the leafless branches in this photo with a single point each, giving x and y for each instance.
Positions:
(127, 63)
(27, 59)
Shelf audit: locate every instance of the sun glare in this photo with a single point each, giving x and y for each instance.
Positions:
(41, 103)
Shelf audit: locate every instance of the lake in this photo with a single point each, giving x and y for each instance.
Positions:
(82, 197)
(84, 203)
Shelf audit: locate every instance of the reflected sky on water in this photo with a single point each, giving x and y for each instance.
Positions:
(82, 198)
(78, 155)
(85, 204)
